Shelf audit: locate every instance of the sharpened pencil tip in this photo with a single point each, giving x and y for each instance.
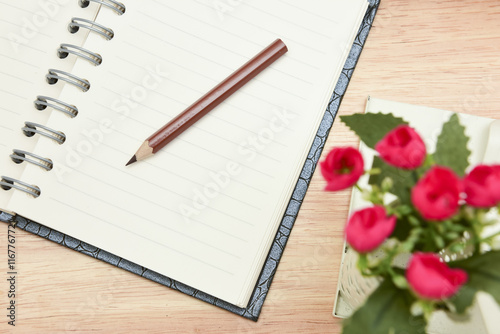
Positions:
(134, 159)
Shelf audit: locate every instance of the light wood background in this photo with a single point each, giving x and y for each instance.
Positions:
(443, 54)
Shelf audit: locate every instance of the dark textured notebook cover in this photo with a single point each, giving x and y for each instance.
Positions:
(254, 307)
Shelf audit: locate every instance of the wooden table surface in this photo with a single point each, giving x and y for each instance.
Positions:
(443, 54)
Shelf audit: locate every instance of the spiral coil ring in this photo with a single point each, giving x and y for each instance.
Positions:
(7, 183)
(77, 23)
(118, 7)
(55, 75)
(19, 156)
(42, 102)
(65, 49)
(30, 129)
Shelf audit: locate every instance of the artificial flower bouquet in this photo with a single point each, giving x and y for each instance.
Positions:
(429, 209)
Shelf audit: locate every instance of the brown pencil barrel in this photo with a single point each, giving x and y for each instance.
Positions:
(216, 95)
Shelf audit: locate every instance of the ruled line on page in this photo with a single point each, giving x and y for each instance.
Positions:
(207, 77)
(160, 206)
(223, 194)
(215, 171)
(139, 178)
(20, 61)
(16, 77)
(168, 190)
(136, 234)
(163, 23)
(14, 94)
(210, 115)
(235, 35)
(288, 21)
(227, 159)
(217, 63)
(126, 154)
(299, 43)
(272, 32)
(9, 4)
(201, 129)
(93, 196)
(11, 111)
(191, 89)
(21, 26)
(210, 60)
(189, 161)
(305, 10)
(201, 167)
(26, 46)
(189, 69)
(6, 128)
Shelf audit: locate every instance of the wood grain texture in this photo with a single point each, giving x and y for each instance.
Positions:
(442, 54)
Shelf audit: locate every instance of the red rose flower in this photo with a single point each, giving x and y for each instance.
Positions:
(342, 168)
(482, 186)
(368, 228)
(432, 279)
(402, 147)
(437, 193)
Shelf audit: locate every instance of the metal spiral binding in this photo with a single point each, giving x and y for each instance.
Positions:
(7, 183)
(118, 7)
(65, 49)
(30, 129)
(77, 23)
(42, 102)
(55, 75)
(19, 156)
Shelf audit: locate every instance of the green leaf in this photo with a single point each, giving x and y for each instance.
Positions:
(402, 229)
(371, 127)
(484, 275)
(400, 281)
(463, 299)
(387, 310)
(451, 147)
(402, 179)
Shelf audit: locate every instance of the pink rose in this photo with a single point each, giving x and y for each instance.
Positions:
(437, 193)
(368, 228)
(402, 147)
(482, 186)
(432, 279)
(342, 168)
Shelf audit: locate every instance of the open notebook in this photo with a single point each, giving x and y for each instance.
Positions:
(484, 134)
(205, 210)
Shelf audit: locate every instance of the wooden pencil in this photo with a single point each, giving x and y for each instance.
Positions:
(210, 100)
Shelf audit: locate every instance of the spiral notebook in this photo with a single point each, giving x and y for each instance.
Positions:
(103, 75)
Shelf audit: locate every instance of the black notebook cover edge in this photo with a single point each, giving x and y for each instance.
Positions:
(252, 311)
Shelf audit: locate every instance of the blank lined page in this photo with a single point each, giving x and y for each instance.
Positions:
(30, 33)
(205, 209)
